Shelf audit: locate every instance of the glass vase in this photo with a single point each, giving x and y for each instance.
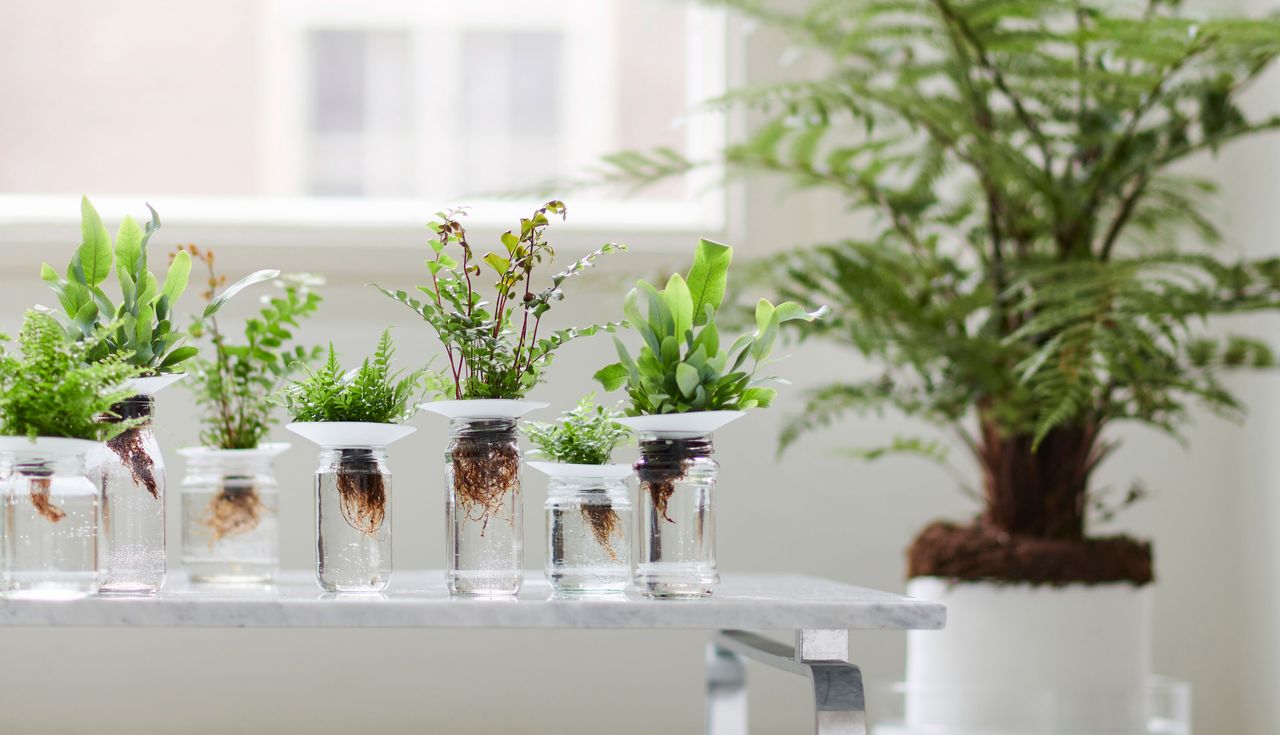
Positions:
(353, 519)
(677, 530)
(589, 522)
(130, 471)
(483, 508)
(230, 505)
(51, 514)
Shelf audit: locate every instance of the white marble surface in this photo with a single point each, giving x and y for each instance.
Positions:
(419, 600)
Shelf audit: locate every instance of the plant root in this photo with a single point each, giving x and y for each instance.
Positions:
(128, 446)
(362, 491)
(484, 471)
(40, 500)
(664, 463)
(605, 523)
(234, 510)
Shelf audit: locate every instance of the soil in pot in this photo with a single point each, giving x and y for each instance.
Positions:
(978, 552)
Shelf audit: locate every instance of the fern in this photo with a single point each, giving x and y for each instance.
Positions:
(51, 389)
(373, 393)
(1034, 259)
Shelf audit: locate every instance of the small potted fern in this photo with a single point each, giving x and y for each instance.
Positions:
(683, 386)
(140, 331)
(588, 501)
(497, 353)
(51, 398)
(230, 532)
(354, 417)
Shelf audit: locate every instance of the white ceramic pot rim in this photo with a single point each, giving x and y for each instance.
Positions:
(583, 471)
(47, 445)
(268, 451)
(484, 408)
(676, 425)
(339, 434)
(154, 384)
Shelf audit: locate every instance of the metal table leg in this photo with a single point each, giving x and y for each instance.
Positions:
(820, 655)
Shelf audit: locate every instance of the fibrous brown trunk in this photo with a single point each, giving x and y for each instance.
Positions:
(1038, 492)
(1032, 528)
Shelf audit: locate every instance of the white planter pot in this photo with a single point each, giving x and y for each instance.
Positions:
(1030, 659)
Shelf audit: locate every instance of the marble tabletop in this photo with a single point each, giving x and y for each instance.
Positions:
(419, 600)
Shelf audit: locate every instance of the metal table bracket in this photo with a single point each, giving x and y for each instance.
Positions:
(822, 656)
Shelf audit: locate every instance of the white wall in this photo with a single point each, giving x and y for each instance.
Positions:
(1213, 519)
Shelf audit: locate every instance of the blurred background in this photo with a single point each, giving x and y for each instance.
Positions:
(319, 136)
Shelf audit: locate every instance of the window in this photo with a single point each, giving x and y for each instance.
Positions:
(350, 111)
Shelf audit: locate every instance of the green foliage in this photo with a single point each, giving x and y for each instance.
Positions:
(682, 365)
(141, 326)
(1036, 256)
(488, 357)
(586, 435)
(233, 389)
(373, 393)
(51, 389)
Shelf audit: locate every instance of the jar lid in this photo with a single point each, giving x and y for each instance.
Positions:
(583, 471)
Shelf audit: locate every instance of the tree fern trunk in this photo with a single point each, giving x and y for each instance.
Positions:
(1040, 492)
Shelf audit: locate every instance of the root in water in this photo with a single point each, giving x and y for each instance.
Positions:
(40, 499)
(605, 523)
(484, 471)
(129, 448)
(236, 509)
(362, 492)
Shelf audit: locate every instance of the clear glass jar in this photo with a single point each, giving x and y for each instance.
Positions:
(483, 508)
(6, 467)
(130, 472)
(588, 532)
(353, 519)
(51, 524)
(677, 531)
(230, 505)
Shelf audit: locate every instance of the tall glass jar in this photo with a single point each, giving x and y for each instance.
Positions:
(589, 522)
(353, 502)
(130, 472)
(483, 508)
(51, 521)
(230, 504)
(677, 532)
(353, 519)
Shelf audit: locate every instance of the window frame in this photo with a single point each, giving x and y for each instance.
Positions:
(290, 221)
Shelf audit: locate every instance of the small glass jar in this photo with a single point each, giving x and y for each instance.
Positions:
(483, 508)
(677, 530)
(230, 505)
(51, 522)
(353, 519)
(130, 472)
(589, 521)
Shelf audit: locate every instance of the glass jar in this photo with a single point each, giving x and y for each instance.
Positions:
(130, 472)
(483, 508)
(677, 532)
(353, 519)
(589, 517)
(51, 522)
(230, 505)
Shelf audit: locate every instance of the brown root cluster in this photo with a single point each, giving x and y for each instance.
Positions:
(362, 491)
(129, 448)
(234, 510)
(980, 552)
(484, 471)
(605, 523)
(663, 463)
(40, 500)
